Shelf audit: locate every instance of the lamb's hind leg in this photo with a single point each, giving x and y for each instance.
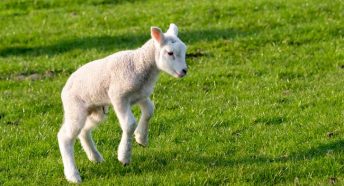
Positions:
(95, 116)
(141, 132)
(73, 122)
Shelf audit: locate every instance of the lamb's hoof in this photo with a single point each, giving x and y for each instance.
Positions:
(96, 158)
(74, 178)
(143, 142)
(97, 161)
(124, 162)
(142, 145)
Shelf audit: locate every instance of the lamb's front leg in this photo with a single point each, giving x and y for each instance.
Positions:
(128, 124)
(141, 132)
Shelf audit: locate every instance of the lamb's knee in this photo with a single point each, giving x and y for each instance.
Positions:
(147, 108)
(71, 127)
(129, 126)
(150, 110)
(68, 133)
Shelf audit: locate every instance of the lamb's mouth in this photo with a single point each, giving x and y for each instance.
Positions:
(179, 75)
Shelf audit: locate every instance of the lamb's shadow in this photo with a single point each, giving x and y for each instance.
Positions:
(115, 43)
(162, 161)
(325, 149)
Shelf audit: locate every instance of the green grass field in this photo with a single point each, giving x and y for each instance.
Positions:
(263, 102)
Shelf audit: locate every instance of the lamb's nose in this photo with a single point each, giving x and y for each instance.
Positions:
(185, 71)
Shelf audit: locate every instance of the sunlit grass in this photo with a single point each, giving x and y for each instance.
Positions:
(262, 103)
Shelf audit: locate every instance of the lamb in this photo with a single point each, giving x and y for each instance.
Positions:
(121, 79)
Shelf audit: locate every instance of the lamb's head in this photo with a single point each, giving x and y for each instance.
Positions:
(170, 55)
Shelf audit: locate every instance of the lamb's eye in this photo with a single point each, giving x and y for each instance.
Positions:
(170, 53)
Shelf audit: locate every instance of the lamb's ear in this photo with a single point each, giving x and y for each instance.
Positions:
(173, 29)
(157, 35)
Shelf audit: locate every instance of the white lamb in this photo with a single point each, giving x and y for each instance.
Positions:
(122, 79)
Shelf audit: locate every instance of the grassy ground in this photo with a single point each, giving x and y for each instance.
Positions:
(262, 104)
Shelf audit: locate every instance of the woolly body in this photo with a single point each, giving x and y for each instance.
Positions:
(121, 79)
(130, 74)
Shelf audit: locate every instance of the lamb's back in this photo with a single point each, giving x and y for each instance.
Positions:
(92, 80)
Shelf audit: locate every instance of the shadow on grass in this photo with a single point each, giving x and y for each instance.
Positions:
(98, 42)
(326, 149)
(163, 162)
(39, 5)
(113, 43)
(270, 120)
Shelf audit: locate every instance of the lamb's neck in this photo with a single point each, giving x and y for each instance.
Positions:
(146, 57)
(147, 52)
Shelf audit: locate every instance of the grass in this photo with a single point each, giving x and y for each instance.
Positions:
(262, 104)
